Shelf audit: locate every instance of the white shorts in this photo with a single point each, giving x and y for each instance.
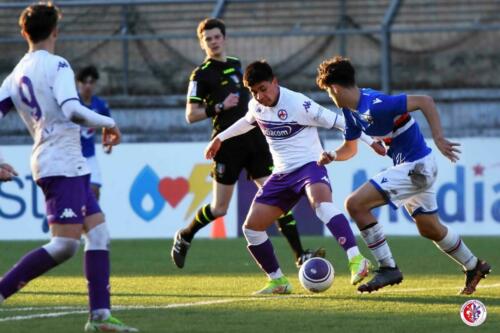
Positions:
(410, 184)
(95, 172)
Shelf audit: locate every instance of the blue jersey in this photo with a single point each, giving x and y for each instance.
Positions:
(386, 117)
(87, 135)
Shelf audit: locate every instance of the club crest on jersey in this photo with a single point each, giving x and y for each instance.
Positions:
(282, 114)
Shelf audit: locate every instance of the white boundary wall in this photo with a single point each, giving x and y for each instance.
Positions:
(151, 190)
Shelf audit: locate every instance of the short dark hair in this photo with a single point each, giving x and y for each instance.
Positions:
(337, 70)
(257, 72)
(39, 20)
(88, 71)
(210, 23)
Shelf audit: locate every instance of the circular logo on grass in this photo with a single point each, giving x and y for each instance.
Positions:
(473, 313)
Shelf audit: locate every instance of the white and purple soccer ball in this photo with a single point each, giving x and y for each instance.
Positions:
(316, 275)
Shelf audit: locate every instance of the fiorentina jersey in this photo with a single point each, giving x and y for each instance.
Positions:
(37, 87)
(290, 128)
(87, 135)
(386, 117)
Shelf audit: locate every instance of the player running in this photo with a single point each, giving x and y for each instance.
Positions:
(409, 182)
(42, 89)
(289, 121)
(216, 92)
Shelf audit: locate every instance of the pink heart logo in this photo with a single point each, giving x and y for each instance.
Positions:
(173, 190)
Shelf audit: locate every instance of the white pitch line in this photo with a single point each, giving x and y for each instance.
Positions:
(78, 310)
(390, 291)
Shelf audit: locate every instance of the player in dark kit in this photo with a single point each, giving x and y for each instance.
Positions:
(216, 91)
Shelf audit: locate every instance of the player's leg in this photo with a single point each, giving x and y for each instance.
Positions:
(359, 205)
(96, 189)
(288, 227)
(452, 245)
(221, 198)
(64, 199)
(259, 218)
(97, 272)
(320, 198)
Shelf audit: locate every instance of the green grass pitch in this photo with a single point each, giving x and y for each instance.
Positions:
(213, 292)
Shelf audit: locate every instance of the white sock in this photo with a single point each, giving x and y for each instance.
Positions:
(101, 314)
(352, 252)
(456, 249)
(375, 240)
(275, 275)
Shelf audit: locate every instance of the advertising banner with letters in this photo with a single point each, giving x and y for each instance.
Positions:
(151, 190)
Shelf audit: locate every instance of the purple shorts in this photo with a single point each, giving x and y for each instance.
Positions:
(68, 199)
(284, 190)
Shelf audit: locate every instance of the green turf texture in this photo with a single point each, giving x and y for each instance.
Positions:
(213, 292)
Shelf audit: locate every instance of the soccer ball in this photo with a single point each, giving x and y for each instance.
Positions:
(316, 275)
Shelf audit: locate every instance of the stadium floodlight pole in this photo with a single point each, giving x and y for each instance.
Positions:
(386, 62)
(218, 8)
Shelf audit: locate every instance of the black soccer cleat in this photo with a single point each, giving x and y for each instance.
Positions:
(475, 275)
(308, 254)
(384, 276)
(179, 250)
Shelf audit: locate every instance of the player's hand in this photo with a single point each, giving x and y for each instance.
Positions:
(448, 148)
(212, 148)
(111, 136)
(379, 147)
(7, 172)
(107, 149)
(231, 101)
(327, 157)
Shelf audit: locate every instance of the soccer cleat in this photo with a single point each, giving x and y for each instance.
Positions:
(384, 276)
(109, 325)
(475, 275)
(179, 250)
(359, 267)
(276, 286)
(308, 254)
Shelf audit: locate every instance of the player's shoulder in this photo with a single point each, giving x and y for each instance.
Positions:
(233, 60)
(200, 71)
(56, 62)
(99, 101)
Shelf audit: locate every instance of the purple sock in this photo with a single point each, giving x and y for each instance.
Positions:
(264, 256)
(97, 274)
(31, 266)
(341, 230)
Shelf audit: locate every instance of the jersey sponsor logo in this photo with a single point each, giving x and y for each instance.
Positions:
(282, 114)
(62, 64)
(384, 180)
(279, 131)
(67, 213)
(307, 105)
(192, 88)
(377, 100)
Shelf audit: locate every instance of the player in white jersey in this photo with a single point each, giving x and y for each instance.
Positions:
(289, 121)
(42, 89)
(409, 182)
(6, 170)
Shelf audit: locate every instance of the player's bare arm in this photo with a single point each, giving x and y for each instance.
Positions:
(428, 107)
(196, 112)
(345, 152)
(212, 148)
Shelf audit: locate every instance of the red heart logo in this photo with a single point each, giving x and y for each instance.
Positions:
(173, 190)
